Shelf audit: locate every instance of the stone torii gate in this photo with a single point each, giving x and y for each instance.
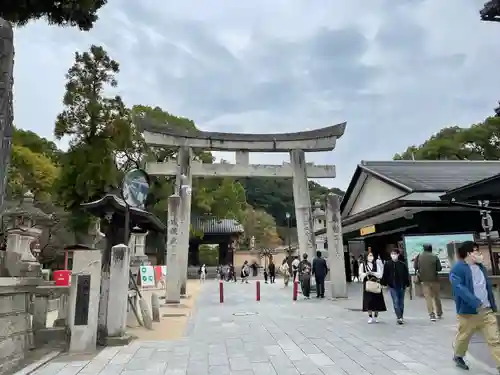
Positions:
(296, 144)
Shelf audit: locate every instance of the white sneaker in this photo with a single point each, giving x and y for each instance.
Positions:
(371, 320)
(375, 320)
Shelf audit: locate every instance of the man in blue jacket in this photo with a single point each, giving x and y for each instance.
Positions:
(474, 302)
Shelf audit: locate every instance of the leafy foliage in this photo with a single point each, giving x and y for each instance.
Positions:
(275, 196)
(30, 171)
(104, 143)
(98, 127)
(77, 13)
(36, 144)
(262, 226)
(479, 142)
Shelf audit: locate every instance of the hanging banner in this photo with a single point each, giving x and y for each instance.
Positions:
(147, 275)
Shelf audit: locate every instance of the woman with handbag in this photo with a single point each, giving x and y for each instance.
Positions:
(370, 273)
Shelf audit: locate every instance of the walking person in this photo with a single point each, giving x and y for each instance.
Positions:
(475, 303)
(397, 278)
(319, 271)
(355, 269)
(245, 272)
(285, 271)
(265, 275)
(272, 272)
(305, 276)
(232, 273)
(370, 273)
(427, 267)
(202, 272)
(295, 267)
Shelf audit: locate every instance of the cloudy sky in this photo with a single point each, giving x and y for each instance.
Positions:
(395, 73)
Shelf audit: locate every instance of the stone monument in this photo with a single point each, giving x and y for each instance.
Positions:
(23, 225)
(6, 112)
(172, 295)
(296, 144)
(338, 282)
(83, 301)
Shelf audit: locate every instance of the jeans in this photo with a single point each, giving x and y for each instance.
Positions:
(320, 286)
(398, 300)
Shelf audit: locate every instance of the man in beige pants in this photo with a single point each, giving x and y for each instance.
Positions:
(427, 265)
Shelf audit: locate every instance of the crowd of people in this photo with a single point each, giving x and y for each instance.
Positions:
(472, 291)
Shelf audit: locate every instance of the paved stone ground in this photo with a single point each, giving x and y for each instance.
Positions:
(280, 337)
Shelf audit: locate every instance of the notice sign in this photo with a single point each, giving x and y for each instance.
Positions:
(367, 230)
(147, 274)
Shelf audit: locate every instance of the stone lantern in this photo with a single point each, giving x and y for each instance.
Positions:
(24, 225)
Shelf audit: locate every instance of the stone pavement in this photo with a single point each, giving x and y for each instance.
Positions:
(279, 337)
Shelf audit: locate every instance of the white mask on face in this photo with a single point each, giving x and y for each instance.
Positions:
(370, 258)
(394, 257)
(477, 257)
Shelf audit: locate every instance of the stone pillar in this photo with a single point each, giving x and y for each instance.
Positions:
(173, 276)
(184, 182)
(83, 310)
(119, 274)
(302, 200)
(6, 95)
(40, 310)
(62, 312)
(336, 263)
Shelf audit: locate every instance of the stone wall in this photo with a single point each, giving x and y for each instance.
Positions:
(16, 335)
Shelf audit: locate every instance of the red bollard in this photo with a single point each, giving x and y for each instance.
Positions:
(295, 289)
(257, 285)
(221, 291)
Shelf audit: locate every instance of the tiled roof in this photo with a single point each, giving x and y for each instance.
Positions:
(212, 225)
(435, 175)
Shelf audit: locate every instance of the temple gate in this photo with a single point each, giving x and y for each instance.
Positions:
(296, 144)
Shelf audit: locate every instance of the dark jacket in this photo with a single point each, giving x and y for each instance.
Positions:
(319, 268)
(427, 265)
(305, 269)
(272, 269)
(396, 275)
(463, 289)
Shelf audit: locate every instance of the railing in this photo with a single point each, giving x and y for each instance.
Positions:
(25, 304)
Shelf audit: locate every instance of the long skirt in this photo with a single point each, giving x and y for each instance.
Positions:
(373, 301)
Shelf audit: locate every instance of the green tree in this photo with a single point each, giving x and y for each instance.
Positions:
(79, 13)
(30, 171)
(275, 196)
(98, 127)
(262, 226)
(228, 200)
(479, 142)
(37, 144)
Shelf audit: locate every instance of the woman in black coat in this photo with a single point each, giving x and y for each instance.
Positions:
(372, 270)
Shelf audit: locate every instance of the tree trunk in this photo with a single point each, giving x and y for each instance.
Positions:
(6, 111)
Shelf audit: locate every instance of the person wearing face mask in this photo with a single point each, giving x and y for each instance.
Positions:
(397, 278)
(370, 273)
(475, 303)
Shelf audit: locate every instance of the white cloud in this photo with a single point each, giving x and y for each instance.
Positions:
(396, 74)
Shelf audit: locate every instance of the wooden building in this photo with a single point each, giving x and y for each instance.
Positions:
(389, 199)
